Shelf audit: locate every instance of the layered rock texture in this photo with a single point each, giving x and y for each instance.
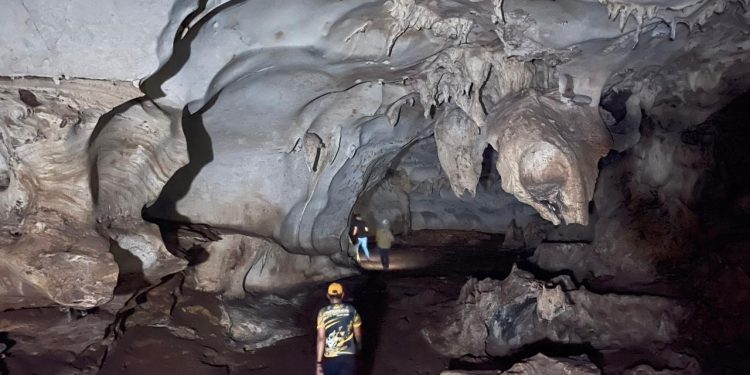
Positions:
(499, 317)
(207, 156)
(52, 253)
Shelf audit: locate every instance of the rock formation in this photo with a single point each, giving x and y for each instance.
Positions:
(497, 318)
(52, 253)
(548, 154)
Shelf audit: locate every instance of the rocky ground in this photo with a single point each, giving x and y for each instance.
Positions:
(171, 328)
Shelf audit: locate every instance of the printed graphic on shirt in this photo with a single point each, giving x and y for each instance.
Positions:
(338, 321)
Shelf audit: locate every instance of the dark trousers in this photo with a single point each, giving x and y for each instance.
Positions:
(385, 257)
(341, 365)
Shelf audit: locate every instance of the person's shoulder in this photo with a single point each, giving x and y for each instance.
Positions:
(324, 309)
(350, 307)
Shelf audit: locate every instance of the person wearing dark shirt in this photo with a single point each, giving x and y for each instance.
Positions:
(339, 335)
(359, 230)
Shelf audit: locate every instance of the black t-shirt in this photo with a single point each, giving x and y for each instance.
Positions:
(360, 225)
(338, 321)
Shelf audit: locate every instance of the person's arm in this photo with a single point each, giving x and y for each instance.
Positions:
(367, 230)
(320, 339)
(354, 232)
(357, 331)
(358, 337)
(319, 352)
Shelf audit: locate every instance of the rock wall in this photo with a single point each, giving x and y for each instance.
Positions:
(333, 105)
(52, 253)
(114, 40)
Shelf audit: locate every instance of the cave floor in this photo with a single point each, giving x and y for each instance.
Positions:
(174, 330)
(177, 330)
(394, 306)
(393, 310)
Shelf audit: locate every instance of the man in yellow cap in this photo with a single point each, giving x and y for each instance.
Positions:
(339, 335)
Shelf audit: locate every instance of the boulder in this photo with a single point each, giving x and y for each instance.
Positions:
(498, 318)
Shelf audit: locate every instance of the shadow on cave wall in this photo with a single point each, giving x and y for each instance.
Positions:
(151, 86)
(130, 276)
(720, 268)
(181, 49)
(198, 141)
(164, 211)
(199, 145)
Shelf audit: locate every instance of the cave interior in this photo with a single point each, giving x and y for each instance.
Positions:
(567, 183)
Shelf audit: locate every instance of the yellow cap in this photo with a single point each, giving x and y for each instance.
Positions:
(335, 289)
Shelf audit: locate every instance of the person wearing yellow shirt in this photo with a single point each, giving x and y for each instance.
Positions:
(339, 335)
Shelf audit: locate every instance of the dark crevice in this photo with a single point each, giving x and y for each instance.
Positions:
(151, 86)
(138, 297)
(164, 210)
(480, 90)
(614, 102)
(546, 347)
(317, 159)
(6, 344)
(489, 175)
(200, 153)
(599, 286)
